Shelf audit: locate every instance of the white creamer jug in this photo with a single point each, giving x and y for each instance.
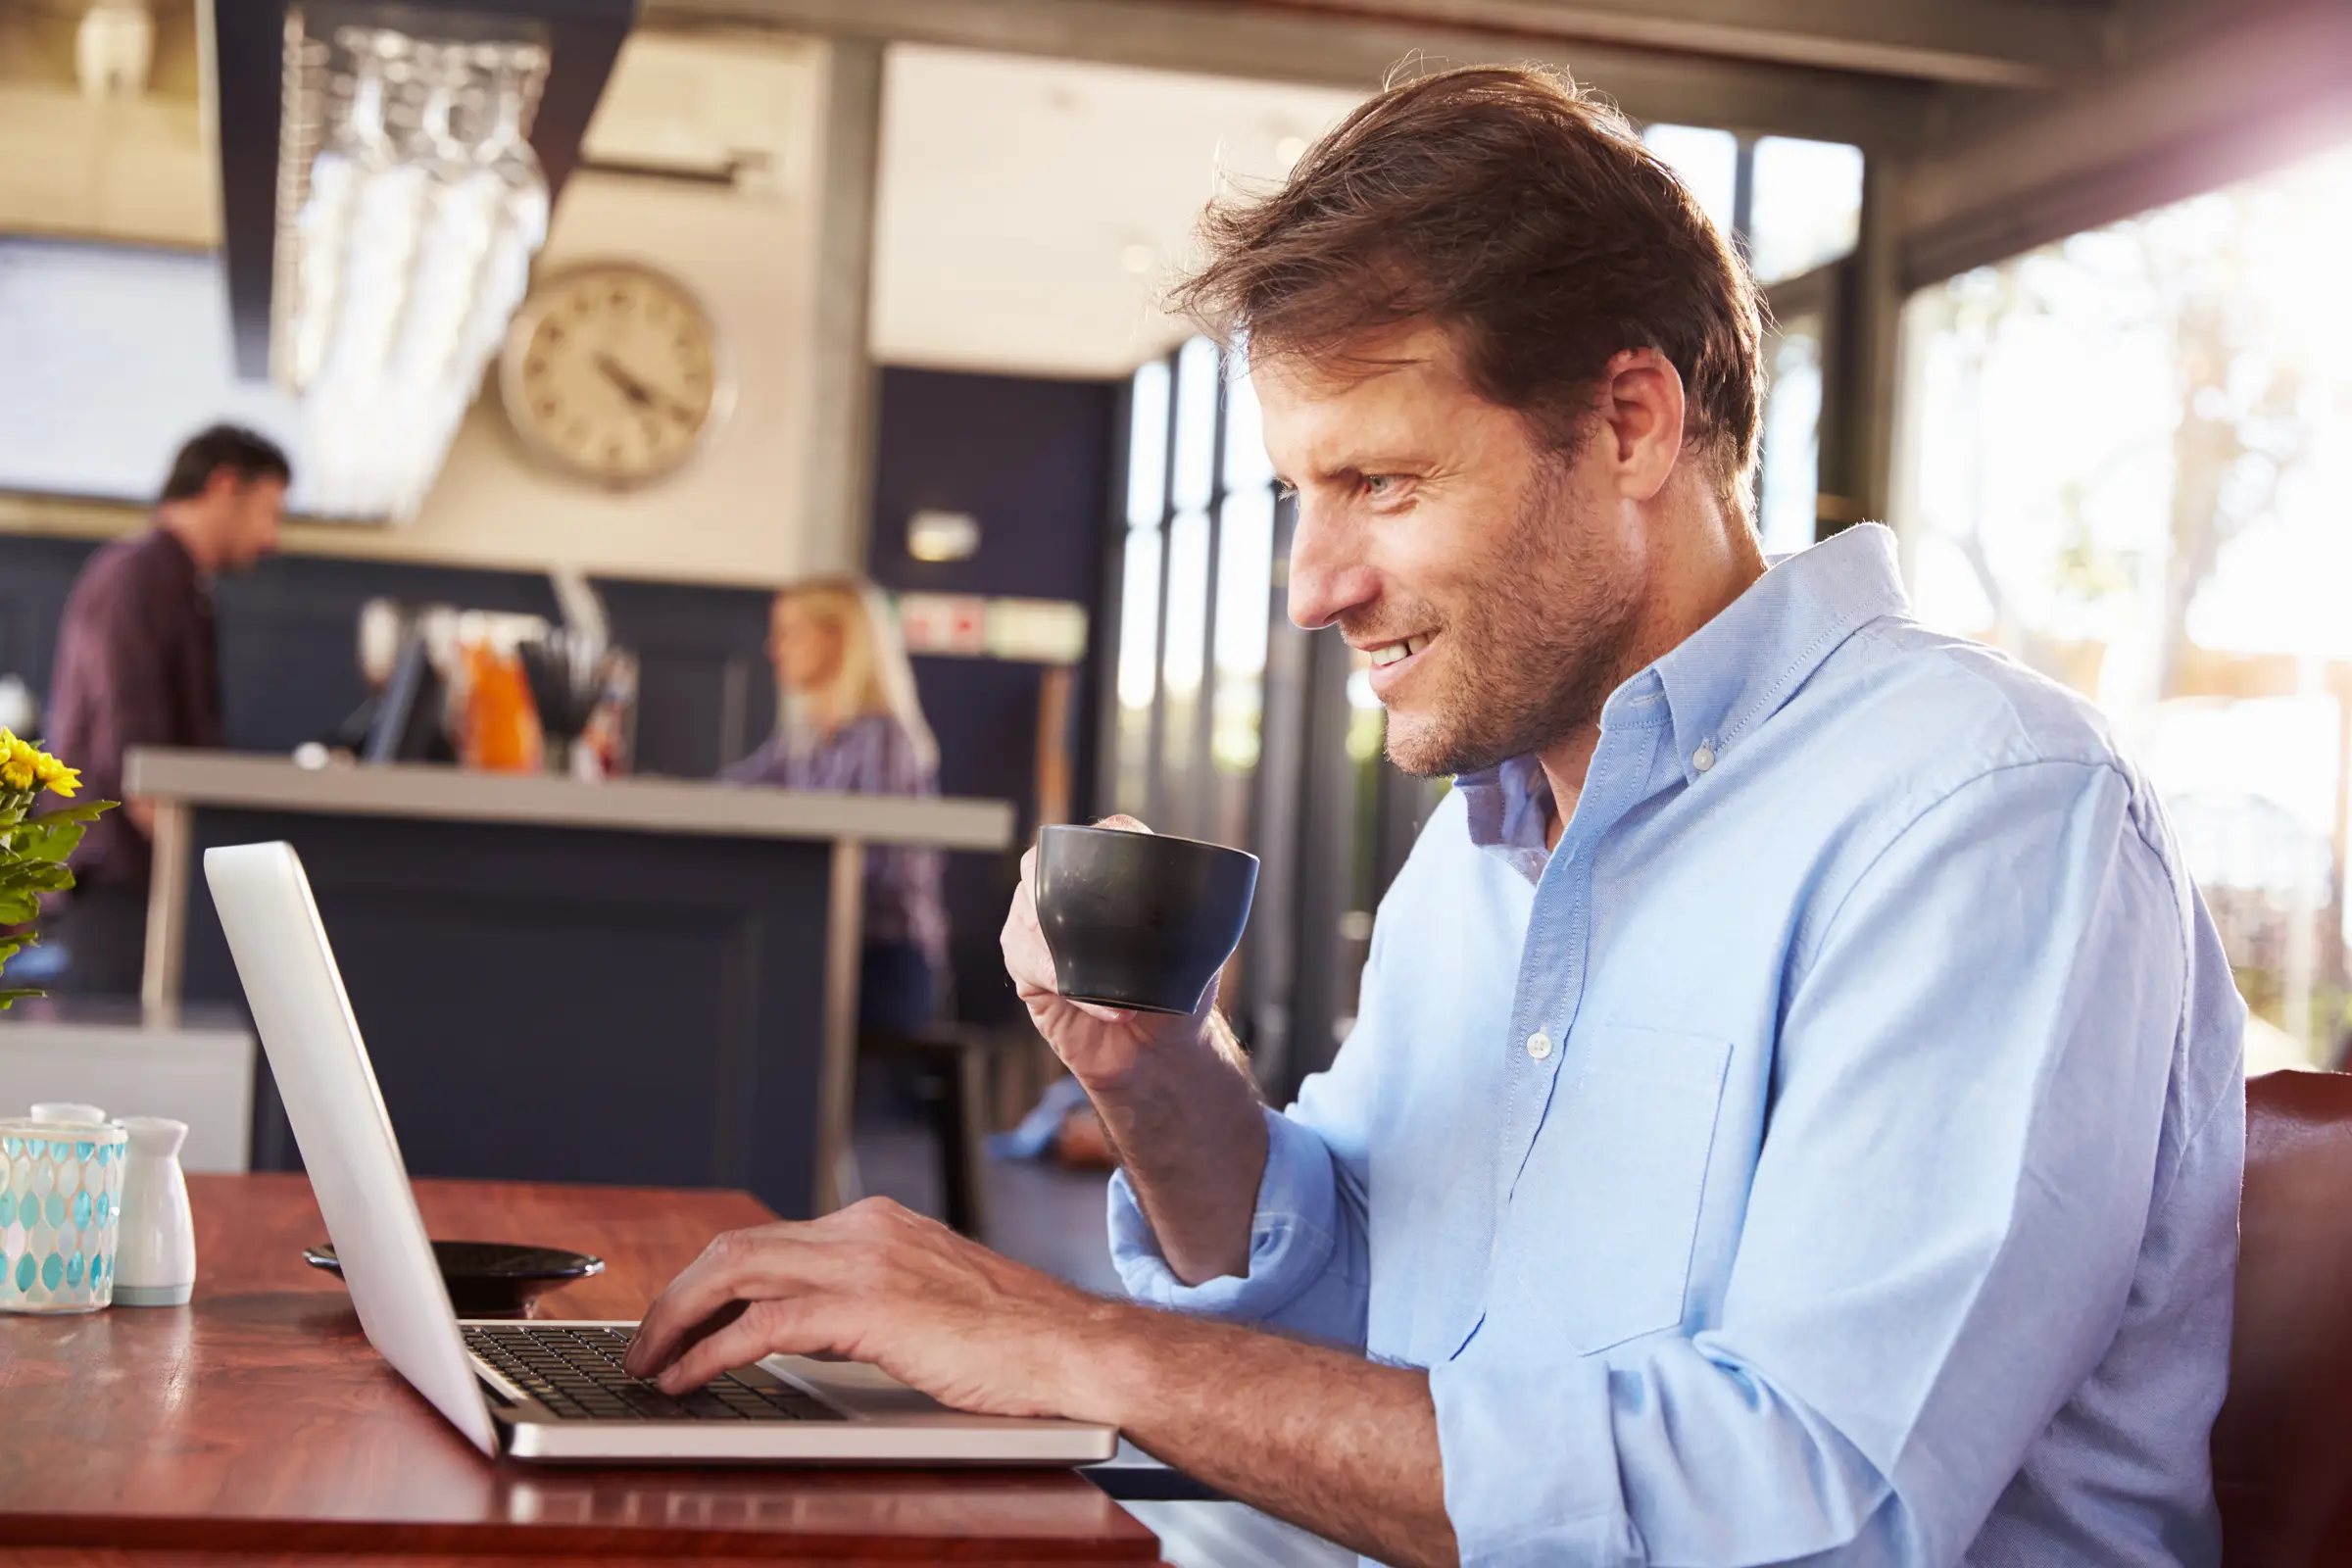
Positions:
(155, 1252)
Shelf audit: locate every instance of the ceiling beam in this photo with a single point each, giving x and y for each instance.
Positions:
(1980, 43)
(2243, 97)
(1307, 42)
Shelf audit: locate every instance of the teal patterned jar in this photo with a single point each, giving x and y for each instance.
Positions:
(60, 1190)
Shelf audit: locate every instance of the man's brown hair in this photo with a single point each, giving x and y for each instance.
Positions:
(1523, 217)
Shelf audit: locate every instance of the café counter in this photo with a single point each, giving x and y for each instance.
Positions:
(643, 982)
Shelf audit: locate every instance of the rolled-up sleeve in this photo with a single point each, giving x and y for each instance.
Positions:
(1306, 1247)
(1940, 1242)
(1309, 1235)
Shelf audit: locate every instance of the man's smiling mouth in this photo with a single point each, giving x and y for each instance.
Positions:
(1394, 653)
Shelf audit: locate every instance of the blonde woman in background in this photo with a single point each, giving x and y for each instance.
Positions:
(849, 720)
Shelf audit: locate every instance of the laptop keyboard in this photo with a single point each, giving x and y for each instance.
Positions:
(576, 1374)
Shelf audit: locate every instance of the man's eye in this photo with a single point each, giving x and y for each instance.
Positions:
(1379, 485)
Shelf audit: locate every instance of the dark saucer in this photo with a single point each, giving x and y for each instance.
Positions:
(490, 1278)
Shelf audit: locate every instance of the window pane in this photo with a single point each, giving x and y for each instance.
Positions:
(1807, 206)
(2129, 453)
(1792, 482)
(1244, 599)
(1188, 602)
(1139, 619)
(1244, 580)
(1197, 376)
(1707, 162)
(1246, 464)
(1148, 447)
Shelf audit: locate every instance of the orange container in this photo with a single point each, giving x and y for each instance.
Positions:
(501, 730)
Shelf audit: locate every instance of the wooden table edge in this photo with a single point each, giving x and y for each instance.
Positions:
(190, 1534)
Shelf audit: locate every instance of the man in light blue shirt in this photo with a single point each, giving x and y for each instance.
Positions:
(1834, 1138)
(1794, 1109)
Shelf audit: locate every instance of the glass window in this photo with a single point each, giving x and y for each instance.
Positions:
(1806, 209)
(1706, 161)
(1244, 602)
(1139, 619)
(1246, 460)
(1188, 603)
(2129, 456)
(1139, 586)
(1197, 379)
(1245, 581)
(1148, 446)
(1787, 499)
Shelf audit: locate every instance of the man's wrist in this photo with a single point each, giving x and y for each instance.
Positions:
(1168, 1058)
(1105, 1368)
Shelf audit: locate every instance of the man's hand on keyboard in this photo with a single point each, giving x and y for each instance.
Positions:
(877, 1282)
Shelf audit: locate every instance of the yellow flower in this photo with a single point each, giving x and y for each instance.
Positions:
(62, 780)
(24, 764)
(18, 762)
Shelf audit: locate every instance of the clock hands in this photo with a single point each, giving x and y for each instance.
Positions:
(638, 393)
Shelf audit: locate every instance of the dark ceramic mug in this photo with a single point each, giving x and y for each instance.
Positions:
(1140, 920)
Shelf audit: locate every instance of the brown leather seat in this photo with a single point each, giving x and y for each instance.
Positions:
(2282, 1447)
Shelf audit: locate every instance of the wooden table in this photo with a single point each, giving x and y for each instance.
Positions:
(256, 1424)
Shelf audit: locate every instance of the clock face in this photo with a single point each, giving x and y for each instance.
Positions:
(611, 372)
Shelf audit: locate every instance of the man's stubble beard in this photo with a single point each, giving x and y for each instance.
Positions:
(1532, 657)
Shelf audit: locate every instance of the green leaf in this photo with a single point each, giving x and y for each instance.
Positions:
(51, 878)
(33, 876)
(78, 811)
(16, 908)
(10, 997)
(47, 839)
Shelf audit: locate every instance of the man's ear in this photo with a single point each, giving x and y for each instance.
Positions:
(1640, 405)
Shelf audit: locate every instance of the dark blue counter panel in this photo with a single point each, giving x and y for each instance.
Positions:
(556, 1003)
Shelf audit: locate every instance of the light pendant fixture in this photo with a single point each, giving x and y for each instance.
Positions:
(409, 205)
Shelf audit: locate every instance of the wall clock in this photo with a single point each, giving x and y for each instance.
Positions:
(610, 373)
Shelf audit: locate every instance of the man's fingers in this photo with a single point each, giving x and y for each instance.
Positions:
(736, 1266)
(765, 1329)
(1027, 958)
(728, 1314)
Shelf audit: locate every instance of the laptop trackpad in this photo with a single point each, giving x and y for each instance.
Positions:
(854, 1386)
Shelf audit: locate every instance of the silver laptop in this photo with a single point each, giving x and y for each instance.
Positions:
(551, 1391)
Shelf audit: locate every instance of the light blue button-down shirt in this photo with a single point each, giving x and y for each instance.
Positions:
(1829, 1153)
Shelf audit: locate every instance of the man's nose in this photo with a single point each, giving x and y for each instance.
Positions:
(1329, 574)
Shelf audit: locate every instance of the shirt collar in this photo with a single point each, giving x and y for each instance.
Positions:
(1723, 679)
(1738, 669)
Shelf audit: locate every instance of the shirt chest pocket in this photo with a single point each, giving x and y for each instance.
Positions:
(1598, 1235)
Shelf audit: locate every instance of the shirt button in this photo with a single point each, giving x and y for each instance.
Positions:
(1703, 759)
(1539, 1045)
